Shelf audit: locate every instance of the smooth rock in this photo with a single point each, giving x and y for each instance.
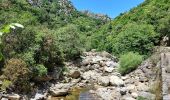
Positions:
(59, 92)
(116, 81)
(75, 74)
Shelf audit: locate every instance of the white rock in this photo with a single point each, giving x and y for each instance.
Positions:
(39, 96)
(14, 97)
(147, 95)
(59, 92)
(108, 69)
(96, 59)
(134, 95)
(111, 64)
(115, 80)
(105, 94)
(128, 98)
(91, 75)
(142, 87)
(104, 81)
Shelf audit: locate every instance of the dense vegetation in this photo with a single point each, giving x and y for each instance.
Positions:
(54, 32)
(137, 30)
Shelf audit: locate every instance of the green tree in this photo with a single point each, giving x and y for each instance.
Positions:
(69, 41)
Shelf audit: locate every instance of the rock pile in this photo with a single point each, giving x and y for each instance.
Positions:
(99, 71)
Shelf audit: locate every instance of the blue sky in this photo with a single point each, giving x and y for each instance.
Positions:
(110, 7)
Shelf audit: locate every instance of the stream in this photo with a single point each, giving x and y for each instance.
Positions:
(78, 94)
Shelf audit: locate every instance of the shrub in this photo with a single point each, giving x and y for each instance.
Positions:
(17, 72)
(5, 84)
(49, 53)
(69, 41)
(41, 70)
(134, 37)
(129, 62)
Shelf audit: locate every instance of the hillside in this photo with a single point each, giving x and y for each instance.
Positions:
(137, 30)
(48, 47)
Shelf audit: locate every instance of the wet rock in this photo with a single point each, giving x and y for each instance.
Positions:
(116, 81)
(74, 74)
(104, 81)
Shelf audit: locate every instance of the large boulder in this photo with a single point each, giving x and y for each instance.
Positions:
(59, 89)
(116, 81)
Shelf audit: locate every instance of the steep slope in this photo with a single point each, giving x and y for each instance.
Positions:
(152, 16)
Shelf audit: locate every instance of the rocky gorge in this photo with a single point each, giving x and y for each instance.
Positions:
(97, 72)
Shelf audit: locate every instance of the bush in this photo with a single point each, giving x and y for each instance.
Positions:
(5, 84)
(69, 41)
(49, 53)
(41, 70)
(17, 73)
(136, 38)
(129, 62)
